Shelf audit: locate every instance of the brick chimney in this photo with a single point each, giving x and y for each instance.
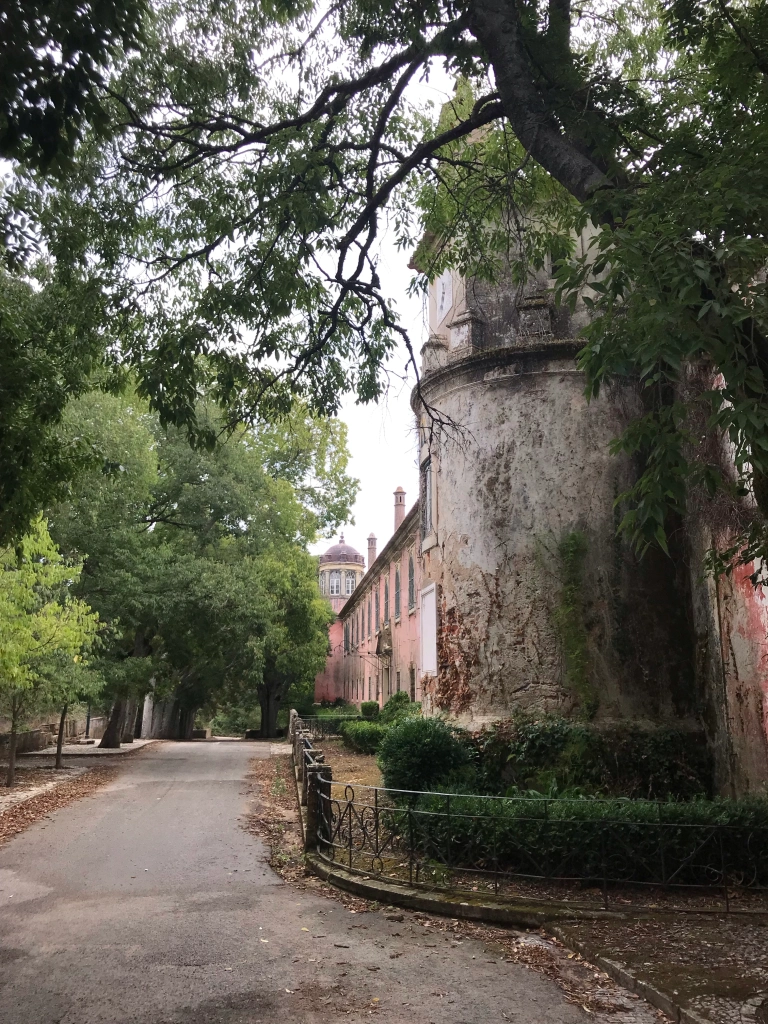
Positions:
(371, 550)
(399, 506)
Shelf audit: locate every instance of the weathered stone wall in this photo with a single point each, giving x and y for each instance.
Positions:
(42, 733)
(521, 471)
(528, 467)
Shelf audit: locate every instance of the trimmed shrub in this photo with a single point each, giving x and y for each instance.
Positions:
(554, 754)
(621, 840)
(399, 706)
(370, 709)
(422, 754)
(362, 736)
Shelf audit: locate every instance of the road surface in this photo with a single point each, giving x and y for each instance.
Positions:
(148, 902)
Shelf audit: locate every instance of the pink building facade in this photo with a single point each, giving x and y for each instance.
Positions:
(375, 643)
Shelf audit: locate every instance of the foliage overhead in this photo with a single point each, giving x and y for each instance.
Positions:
(257, 152)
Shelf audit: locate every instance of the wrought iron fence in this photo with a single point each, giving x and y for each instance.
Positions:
(584, 852)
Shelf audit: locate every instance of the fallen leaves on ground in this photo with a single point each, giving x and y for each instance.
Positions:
(20, 816)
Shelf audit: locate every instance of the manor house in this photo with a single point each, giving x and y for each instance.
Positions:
(506, 588)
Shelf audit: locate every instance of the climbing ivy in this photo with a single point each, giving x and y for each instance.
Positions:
(570, 620)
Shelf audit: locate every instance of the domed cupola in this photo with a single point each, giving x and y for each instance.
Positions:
(341, 569)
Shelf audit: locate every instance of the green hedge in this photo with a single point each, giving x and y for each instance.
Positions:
(555, 754)
(370, 709)
(362, 736)
(623, 840)
(424, 753)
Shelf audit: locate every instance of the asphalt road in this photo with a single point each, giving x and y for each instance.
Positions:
(147, 902)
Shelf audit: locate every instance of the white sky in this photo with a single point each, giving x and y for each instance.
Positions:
(382, 439)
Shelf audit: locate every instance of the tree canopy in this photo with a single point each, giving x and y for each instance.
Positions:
(196, 560)
(230, 218)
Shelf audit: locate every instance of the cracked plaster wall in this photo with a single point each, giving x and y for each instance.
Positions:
(520, 461)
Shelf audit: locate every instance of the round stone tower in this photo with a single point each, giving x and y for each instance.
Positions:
(341, 569)
(539, 607)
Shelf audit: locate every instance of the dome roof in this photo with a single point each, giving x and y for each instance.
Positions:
(342, 552)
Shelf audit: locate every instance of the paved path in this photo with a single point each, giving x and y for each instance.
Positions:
(147, 902)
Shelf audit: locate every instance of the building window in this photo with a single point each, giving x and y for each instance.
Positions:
(411, 585)
(397, 593)
(346, 638)
(412, 681)
(428, 630)
(350, 583)
(397, 678)
(335, 582)
(369, 619)
(322, 582)
(426, 499)
(376, 615)
(386, 602)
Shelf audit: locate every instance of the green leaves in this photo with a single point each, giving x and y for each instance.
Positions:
(40, 622)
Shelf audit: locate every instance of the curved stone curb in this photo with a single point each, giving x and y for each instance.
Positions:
(630, 981)
(522, 914)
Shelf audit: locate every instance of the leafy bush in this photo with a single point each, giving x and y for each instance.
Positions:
(554, 754)
(362, 736)
(619, 839)
(399, 706)
(370, 709)
(422, 753)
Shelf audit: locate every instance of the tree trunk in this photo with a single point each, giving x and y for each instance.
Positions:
(186, 723)
(129, 719)
(137, 725)
(270, 706)
(114, 731)
(10, 776)
(497, 26)
(60, 738)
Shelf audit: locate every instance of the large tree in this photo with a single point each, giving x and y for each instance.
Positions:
(259, 150)
(197, 559)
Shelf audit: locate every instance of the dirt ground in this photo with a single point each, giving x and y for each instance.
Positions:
(349, 767)
(713, 964)
(275, 819)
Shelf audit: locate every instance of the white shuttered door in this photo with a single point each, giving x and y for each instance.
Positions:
(428, 627)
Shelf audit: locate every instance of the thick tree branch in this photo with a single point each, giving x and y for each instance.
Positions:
(496, 24)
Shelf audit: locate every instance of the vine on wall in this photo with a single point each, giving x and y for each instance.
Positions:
(570, 620)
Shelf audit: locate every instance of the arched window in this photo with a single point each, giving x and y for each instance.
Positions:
(322, 582)
(335, 582)
(411, 584)
(376, 614)
(397, 592)
(386, 601)
(350, 583)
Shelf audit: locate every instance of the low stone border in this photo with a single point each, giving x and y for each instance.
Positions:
(90, 750)
(629, 980)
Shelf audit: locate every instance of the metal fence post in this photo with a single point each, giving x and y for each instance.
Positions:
(305, 758)
(324, 780)
(313, 807)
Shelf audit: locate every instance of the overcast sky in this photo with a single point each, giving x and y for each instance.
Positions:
(382, 439)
